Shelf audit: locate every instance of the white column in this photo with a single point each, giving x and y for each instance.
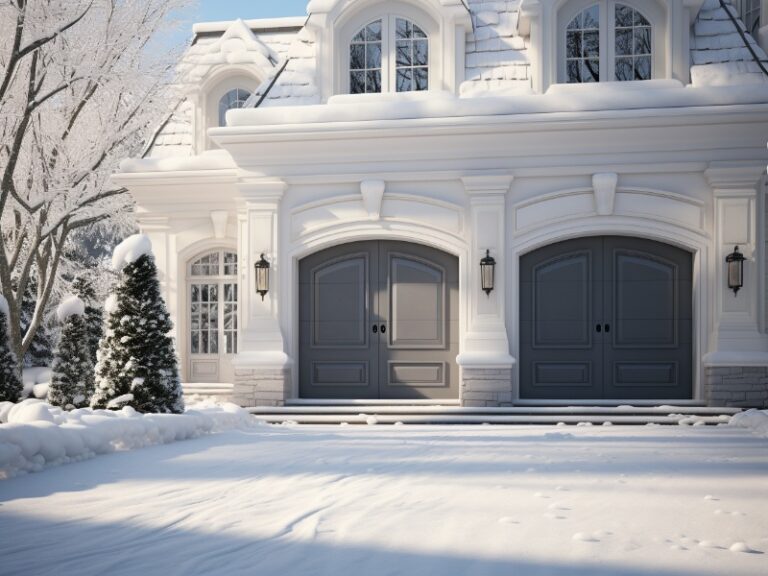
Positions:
(736, 339)
(486, 343)
(261, 341)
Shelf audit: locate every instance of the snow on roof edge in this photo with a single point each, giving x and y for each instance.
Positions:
(253, 24)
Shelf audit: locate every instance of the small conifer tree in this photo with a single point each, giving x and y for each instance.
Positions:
(72, 378)
(94, 318)
(137, 363)
(10, 383)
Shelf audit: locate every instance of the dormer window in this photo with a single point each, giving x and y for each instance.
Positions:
(608, 41)
(233, 99)
(389, 55)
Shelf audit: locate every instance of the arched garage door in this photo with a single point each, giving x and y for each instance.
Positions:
(378, 319)
(606, 318)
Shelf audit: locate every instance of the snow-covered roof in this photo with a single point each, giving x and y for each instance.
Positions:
(718, 53)
(283, 54)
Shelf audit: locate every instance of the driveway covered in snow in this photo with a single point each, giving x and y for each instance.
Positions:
(401, 500)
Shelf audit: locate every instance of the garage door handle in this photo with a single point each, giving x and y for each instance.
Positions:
(383, 328)
(599, 328)
(607, 328)
(375, 328)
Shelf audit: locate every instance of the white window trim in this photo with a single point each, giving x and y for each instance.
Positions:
(211, 94)
(608, 36)
(393, 11)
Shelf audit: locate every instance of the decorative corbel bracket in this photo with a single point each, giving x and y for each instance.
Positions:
(604, 188)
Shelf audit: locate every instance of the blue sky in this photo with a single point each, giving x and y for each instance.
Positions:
(211, 10)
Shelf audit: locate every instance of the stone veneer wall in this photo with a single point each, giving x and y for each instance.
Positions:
(260, 387)
(744, 386)
(486, 387)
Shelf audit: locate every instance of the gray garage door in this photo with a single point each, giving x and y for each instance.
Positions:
(606, 318)
(378, 319)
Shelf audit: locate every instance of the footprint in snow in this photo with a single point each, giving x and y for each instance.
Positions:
(508, 520)
(709, 544)
(556, 506)
(553, 516)
(710, 497)
(584, 537)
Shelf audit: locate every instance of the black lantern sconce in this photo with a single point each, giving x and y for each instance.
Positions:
(487, 268)
(262, 276)
(735, 261)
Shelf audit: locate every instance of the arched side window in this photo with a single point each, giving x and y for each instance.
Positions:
(213, 299)
(608, 41)
(389, 54)
(233, 99)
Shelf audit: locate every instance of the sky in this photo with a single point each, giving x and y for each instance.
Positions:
(212, 10)
(217, 10)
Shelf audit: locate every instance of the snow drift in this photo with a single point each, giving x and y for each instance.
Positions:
(34, 435)
(754, 420)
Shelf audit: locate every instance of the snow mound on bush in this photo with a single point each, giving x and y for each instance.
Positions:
(35, 435)
(130, 250)
(71, 306)
(754, 420)
(3, 305)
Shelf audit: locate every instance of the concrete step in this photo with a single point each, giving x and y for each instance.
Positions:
(551, 415)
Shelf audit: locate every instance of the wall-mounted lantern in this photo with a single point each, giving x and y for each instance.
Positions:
(487, 267)
(262, 276)
(735, 262)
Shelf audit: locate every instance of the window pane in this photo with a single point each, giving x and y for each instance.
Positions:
(403, 28)
(575, 24)
(356, 56)
(360, 36)
(403, 53)
(204, 342)
(624, 42)
(590, 70)
(624, 16)
(624, 70)
(373, 81)
(640, 20)
(591, 18)
(642, 41)
(592, 44)
(418, 32)
(573, 47)
(195, 343)
(574, 70)
(230, 264)
(643, 68)
(373, 55)
(404, 76)
(421, 78)
(373, 31)
(420, 53)
(195, 293)
(214, 342)
(357, 82)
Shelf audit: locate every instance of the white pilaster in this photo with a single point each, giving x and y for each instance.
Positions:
(736, 339)
(486, 343)
(261, 344)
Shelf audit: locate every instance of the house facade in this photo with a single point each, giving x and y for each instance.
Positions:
(490, 202)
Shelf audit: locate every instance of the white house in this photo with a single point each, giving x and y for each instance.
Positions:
(607, 155)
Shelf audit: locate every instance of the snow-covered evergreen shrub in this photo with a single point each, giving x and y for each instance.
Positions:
(137, 363)
(10, 383)
(94, 318)
(72, 377)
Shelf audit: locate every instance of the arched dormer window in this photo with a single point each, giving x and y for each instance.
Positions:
(607, 41)
(235, 98)
(389, 54)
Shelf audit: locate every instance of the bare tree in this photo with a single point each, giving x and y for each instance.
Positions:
(82, 84)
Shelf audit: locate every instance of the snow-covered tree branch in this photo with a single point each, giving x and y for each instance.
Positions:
(82, 85)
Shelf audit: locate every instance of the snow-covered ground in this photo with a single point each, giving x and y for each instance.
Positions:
(374, 500)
